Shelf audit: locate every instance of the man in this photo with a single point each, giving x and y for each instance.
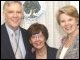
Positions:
(13, 13)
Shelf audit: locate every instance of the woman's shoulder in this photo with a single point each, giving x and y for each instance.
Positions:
(51, 52)
(52, 49)
(77, 38)
(76, 42)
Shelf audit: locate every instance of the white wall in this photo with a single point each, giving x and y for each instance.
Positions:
(48, 18)
(76, 4)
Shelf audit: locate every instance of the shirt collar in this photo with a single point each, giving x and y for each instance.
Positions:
(10, 31)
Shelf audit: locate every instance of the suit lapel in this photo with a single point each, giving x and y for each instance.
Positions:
(71, 48)
(8, 47)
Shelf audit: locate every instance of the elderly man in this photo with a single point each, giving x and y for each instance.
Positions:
(14, 44)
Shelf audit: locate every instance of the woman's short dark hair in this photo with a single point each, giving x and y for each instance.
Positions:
(37, 28)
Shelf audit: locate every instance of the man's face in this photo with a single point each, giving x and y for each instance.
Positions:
(13, 14)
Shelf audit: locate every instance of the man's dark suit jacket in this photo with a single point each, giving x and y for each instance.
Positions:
(51, 53)
(6, 49)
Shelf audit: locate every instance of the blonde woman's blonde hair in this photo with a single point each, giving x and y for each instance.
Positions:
(69, 10)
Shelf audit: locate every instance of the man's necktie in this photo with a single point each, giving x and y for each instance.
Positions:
(16, 47)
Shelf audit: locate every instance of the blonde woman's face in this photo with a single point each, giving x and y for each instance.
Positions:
(68, 23)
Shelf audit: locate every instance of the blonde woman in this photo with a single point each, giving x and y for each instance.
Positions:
(68, 19)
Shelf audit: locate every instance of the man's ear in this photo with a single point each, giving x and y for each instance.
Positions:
(3, 14)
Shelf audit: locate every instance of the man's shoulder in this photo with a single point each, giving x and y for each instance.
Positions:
(23, 30)
(2, 26)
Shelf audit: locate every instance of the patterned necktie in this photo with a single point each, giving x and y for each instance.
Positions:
(16, 47)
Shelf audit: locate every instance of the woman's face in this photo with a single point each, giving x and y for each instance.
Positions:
(38, 40)
(68, 23)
